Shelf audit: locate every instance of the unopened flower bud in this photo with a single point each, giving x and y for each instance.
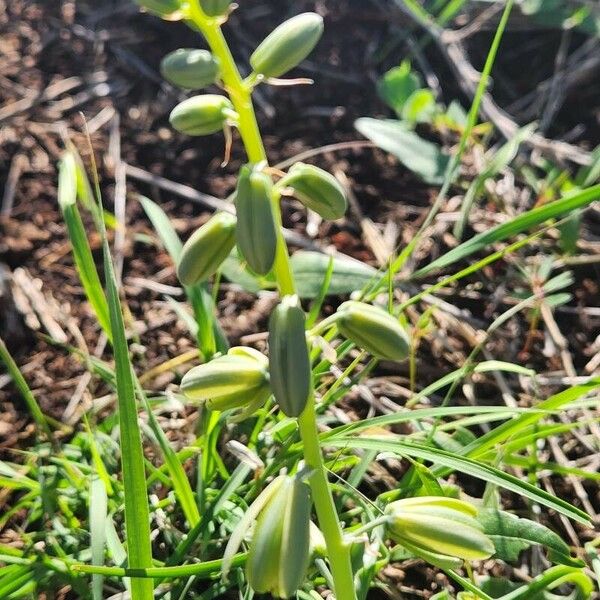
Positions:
(279, 551)
(316, 189)
(190, 68)
(215, 8)
(443, 531)
(289, 362)
(256, 229)
(162, 8)
(206, 249)
(201, 115)
(288, 45)
(228, 381)
(373, 330)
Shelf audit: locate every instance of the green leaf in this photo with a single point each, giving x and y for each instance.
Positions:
(423, 158)
(82, 253)
(397, 85)
(468, 466)
(310, 269)
(511, 535)
(137, 514)
(420, 107)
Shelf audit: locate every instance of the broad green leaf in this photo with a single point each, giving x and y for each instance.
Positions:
(511, 535)
(310, 269)
(423, 158)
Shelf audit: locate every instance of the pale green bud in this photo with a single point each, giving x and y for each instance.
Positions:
(201, 115)
(289, 362)
(227, 378)
(288, 45)
(190, 68)
(256, 229)
(316, 189)
(279, 552)
(443, 531)
(206, 249)
(373, 330)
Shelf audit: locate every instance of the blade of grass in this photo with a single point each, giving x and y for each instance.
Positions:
(137, 515)
(98, 512)
(82, 254)
(521, 223)
(469, 467)
(32, 405)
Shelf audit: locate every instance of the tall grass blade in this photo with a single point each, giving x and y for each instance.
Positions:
(82, 254)
(32, 405)
(137, 516)
(469, 467)
(519, 224)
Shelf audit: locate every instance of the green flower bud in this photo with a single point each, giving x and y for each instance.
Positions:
(373, 330)
(443, 531)
(316, 189)
(206, 249)
(227, 381)
(201, 115)
(289, 362)
(288, 45)
(215, 8)
(256, 228)
(279, 552)
(190, 68)
(162, 8)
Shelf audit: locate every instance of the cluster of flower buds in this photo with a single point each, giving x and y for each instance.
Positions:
(442, 531)
(280, 547)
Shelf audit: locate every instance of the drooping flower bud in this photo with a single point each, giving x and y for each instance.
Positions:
(316, 189)
(288, 45)
(190, 68)
(279, 551)
(442, 531)
(201, 115)
(234, 380)
(162, 8)
(289, 362)
(373, 330)
(256, 229)
(206, 249)
(215, 8)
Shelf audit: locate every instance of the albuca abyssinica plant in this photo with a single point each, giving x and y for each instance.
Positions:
(277, 395)
(279, 547)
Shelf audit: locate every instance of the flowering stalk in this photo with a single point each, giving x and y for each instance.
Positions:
(240, 93)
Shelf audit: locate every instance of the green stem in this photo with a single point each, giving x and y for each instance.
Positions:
(240, 93)
(337, 549)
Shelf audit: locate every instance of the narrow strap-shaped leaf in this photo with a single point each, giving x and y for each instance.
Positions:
(521, 223)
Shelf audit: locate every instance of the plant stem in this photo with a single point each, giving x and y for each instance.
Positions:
(337, 549)
(240, 92)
